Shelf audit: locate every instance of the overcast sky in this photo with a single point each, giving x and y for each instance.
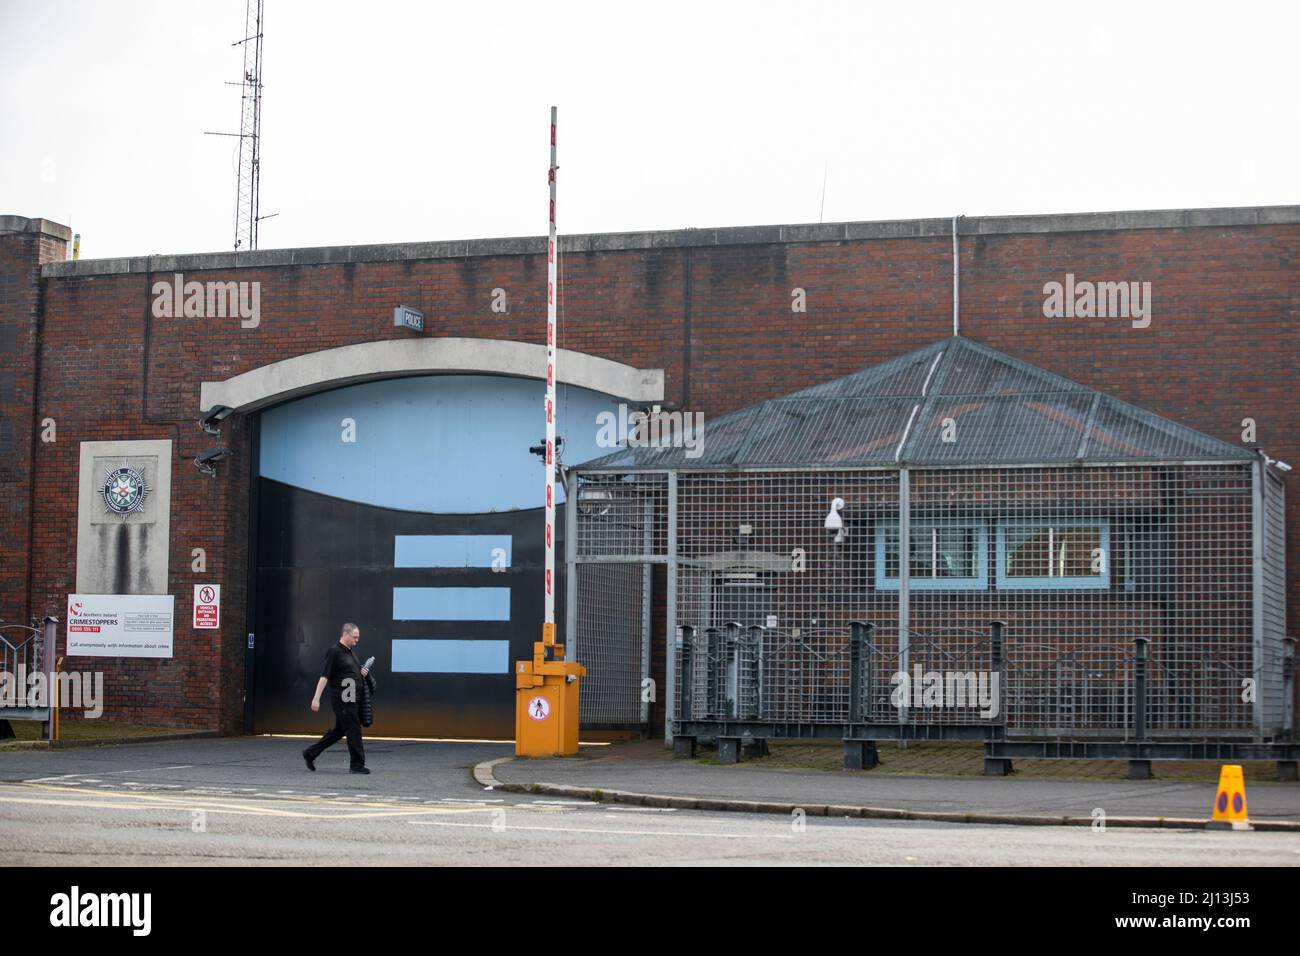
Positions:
(389, 122)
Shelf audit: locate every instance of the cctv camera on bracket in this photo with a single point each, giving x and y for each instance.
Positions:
(210, 419)
(206, 461)
(835, 521)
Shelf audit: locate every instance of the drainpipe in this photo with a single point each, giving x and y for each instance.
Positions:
(956, 280)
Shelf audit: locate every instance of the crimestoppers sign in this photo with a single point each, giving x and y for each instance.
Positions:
(120, 625)
(207, 605)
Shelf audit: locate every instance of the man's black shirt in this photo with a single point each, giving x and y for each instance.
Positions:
(340, 665)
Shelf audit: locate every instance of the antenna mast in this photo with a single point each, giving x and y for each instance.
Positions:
(250, 129)
(249, 171)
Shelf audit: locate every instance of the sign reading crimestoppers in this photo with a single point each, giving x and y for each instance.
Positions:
(539, 708)
(120, 625)
(207, 605)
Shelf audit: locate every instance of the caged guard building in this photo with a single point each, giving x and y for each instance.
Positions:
(1083, 577)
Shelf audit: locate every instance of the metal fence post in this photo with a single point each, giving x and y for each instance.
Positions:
(685, 647)
(904, 578)
(712, 648)
(1288, 687)
(1140, 768)
(571, 566)
(859, 632)
(1140, 646)
(730, 682)
(1288, 770)
(998, 663)
(756, 632)
(49, 652)
(670, 610)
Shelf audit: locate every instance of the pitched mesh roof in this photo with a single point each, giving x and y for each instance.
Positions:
(1002, 411)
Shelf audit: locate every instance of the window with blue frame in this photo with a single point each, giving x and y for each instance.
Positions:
(944, 556)
(1050, 554)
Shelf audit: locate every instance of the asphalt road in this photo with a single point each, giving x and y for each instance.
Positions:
(251, 801)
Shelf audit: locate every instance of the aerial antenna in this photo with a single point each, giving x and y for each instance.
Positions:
(821, 215)
(249, 168)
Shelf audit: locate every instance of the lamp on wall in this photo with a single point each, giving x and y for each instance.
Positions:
(595, 502)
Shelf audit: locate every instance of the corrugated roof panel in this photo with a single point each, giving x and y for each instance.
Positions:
(1042, 427)
(1123, 432)
(905, 375)
(1001, 410)
(829, 432)
(971, 369)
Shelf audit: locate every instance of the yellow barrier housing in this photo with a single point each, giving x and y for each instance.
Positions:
(546, 704)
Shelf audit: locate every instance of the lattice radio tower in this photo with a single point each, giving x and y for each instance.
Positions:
(249, 169)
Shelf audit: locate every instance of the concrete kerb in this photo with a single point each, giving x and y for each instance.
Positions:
(104, 741)
(483, 775)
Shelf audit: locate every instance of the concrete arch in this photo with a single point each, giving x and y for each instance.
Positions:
(394, 358)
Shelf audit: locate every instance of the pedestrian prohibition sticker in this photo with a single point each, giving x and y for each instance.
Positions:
(539, 708)
(207, 605)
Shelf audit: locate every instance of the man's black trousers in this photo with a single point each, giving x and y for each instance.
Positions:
(347, 723)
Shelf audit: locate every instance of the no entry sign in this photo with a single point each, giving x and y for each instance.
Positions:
(207, 605)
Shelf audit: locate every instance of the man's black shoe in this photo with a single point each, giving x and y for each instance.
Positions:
(311, 764)
(360, 770)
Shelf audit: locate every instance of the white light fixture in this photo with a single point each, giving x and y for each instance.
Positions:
(595, 502)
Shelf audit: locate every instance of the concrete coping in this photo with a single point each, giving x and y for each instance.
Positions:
(9, 225)
(686, 238)
(395, 358)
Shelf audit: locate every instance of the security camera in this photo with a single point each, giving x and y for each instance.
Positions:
(209, 419)
(540, 451)
(206, 461)
(540, 448)
(834, 522)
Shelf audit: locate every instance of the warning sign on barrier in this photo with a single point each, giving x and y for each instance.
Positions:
(207, 605)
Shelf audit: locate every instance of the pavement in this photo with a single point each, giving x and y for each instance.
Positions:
(251, 801)
(646, 773)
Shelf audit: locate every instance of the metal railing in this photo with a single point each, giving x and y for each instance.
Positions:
(1138, 690)
(24, 651)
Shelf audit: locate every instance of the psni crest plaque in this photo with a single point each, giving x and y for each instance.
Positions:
(124, 491)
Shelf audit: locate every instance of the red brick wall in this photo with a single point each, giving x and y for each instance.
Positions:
(1222, 346)
(21, 257)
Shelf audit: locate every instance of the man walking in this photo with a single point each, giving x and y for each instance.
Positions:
(343, 675)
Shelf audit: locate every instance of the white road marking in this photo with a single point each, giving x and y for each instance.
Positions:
(566, 803)
(109, 773)
(686, 833)
(64, 795)
(467, 800)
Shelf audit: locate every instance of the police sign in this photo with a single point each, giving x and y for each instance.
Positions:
(407, 318)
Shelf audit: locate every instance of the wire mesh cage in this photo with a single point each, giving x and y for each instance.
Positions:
(839, 558)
